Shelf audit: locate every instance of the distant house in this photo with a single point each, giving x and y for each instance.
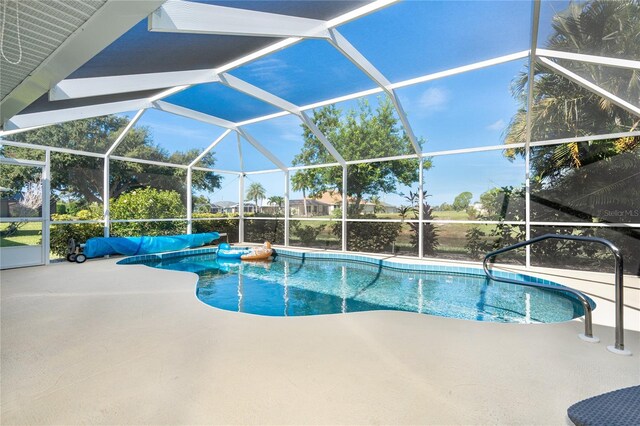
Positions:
(231, 207)
(249, 207)
(272, 208)
(479, 208)
(329, 201)
(10, 205)
(223, 206)
(314, 207)
(369, 207)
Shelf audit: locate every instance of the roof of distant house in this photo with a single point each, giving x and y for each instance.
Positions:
(310, 202)
(224, 204)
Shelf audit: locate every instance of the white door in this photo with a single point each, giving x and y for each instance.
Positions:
(21, 213)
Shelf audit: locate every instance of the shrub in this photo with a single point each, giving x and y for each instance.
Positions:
(477, 244)
(370, 237)
(223, 224)
(257, 230)
(429, 233)
(307, 234)
(148, 203)
(81, 232)
(472, 213)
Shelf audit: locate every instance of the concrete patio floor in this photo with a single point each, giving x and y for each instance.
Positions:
(102, 343)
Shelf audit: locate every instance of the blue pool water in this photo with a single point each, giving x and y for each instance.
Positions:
(291, 286)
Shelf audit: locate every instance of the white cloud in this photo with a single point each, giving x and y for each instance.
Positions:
(498, 125)
(267, 67)
(287, 129)
(433, 99)
(272, 74)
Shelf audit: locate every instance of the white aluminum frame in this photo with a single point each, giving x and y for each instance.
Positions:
(296, 29)
(592, 87)
(535, 21)
(101, 29)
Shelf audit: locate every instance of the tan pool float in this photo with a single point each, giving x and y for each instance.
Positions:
(259, 253)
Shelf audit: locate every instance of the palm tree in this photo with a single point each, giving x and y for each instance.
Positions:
(584, 180)
(378, 207)
(277, 201)
(256, 192)
(562, 108)
(300, 182)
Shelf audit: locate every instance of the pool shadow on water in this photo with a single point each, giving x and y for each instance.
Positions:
(480, 306)
(375, 280)
(304, 286)
(248, 296)
(303, 260)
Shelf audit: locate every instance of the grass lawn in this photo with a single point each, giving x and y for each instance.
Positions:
(451, 215)
(29, 234)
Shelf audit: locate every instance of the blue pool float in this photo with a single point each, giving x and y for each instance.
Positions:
(131, 246)
(225, 251)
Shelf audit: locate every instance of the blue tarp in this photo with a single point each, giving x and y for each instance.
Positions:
(101, 246)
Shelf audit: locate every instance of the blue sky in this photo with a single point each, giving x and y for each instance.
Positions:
(403, 41)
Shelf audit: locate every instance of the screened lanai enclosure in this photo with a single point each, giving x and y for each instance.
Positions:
(430, 129)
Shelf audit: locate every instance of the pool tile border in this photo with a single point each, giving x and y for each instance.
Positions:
(358, 258)
(407, 267)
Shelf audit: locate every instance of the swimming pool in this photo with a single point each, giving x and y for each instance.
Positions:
(293, 285)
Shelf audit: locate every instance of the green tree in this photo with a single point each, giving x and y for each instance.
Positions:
(147, 203)
(445, 207)
(256, 192)
(462, 201)
(429, 233)
(378, 207)
(81, 177)
(304, 182)
(505, 203)
(579, 181)
(563, 108)
(276, 200)
(201, 204)
(359, 133)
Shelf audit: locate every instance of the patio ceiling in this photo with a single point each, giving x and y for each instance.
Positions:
(197, 59)
(163, 51)
(44, 42)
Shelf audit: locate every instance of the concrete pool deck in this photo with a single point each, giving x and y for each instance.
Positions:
(102, 343)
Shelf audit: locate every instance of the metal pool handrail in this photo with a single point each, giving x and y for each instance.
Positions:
(619, 286)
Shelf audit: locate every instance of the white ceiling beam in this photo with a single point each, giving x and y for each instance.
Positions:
(404, 83)
(322, 138)
(196, 115)
(99, 86)
(357, 58)
(460, 70)
(119, 84)
(124, 132)
(45, 118)
(368, 8)
(258, 93)
(187, 17)
(263, 95)
(240, 156)
(600, 60)
(4, 133)
(590, 86)
(398, 85)
(351, 53)
(209, 148)
(264, 151)
(405, 123)
(112, 20)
